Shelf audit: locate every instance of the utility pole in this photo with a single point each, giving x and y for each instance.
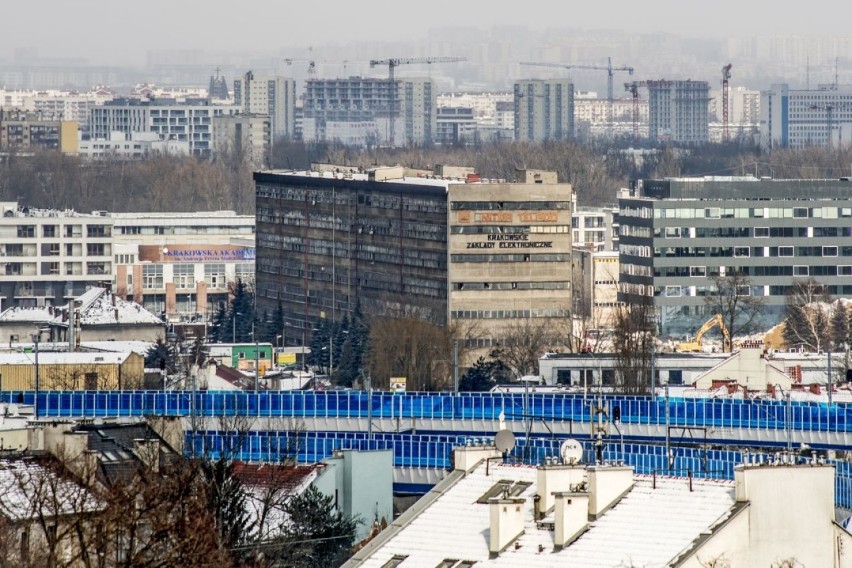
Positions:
(36, 339)
(456, 366)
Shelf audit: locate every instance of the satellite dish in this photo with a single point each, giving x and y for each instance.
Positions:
(504, 441)
(571, 451)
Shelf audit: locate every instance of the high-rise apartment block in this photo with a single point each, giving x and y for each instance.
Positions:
(273, 96)
(488, 254)
(678, 111)
(247, 137)
(28, 131)
(791, 118)
(359, 111)
(544, 110)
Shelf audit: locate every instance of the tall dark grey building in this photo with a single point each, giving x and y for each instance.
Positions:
(324, 244)
(678, 234)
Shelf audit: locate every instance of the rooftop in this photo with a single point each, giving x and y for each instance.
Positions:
(629, 534)
(98, 306)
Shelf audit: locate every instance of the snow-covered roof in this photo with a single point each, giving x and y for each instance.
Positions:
(98, 306)
(650, 526)
(26, 315)
(64, 358)
(30, 489)
(106, 308)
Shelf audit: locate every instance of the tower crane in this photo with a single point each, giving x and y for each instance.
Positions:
(395, 62)
(633, 89)
(608, 68)
(726, 75)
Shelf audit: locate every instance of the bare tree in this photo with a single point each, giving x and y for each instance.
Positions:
(731, 298)
(632, 337)
(523, 342)
(807, 322)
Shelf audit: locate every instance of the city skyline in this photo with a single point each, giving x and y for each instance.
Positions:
(89, 29)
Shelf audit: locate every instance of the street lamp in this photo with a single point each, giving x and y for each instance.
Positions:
(234, 327)
(36, 339)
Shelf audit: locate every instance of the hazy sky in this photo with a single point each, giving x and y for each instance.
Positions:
(111, 31)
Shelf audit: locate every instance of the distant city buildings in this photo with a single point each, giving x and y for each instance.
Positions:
(678, 111)
(243, 137)
(359, 110)
(544, 110)
(271, 96)
(189, 120)
(29, 131)
(795, 118)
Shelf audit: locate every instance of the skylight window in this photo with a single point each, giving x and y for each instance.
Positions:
(395, 561)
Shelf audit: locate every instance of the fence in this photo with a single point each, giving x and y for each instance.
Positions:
(435, 451)
(695, 412)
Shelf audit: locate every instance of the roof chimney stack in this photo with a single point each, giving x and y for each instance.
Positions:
(507, 523)
(607, 485)
(571, 516)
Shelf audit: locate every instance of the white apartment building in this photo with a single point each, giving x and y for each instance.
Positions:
(271, 96)
(793, 118)
(185, 121)
(678, 111)
(358, 110)
(544, 110)
(48, 256)
(594, 228)
(180, 263)
(143, 144)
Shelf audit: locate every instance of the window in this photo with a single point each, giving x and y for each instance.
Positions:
(829, 251)
(395, 561)
(184, 276)
(675, 377)
(761, 232)
(711, 213)
(97, 231)
(844, 270)
(49, 231)
(672, 232)
(214, 275)
(95, 249)
(73, 231)
(245, 271)
(152, 276)
(698, 271)
(26, 231)
(800, 212)
(785, 251)
(96, 268)
(800, 271)
(742, 251)
(673, 292)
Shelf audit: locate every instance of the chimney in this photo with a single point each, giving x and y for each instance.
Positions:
(571, 513)
(507, 523)
(148, 452)
(466, 457)
(116, 313)
(553, 478)
(607, 485)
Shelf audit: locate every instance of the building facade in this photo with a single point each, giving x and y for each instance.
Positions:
(510, 257)
(678, 111)
(29, 131)
(188, 121)
(544, 110)
(246, 137)
(456, 125)
(678, 234)
(359, 110)
(271, 96)
(327, 243)
(793, 118)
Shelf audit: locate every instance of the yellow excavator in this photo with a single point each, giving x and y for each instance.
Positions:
(708, 325)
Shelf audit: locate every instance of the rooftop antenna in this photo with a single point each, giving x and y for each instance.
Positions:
(571, 452)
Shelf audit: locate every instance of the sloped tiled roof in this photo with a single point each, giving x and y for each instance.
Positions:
(648, 527)
(30, 487)
(98, 306)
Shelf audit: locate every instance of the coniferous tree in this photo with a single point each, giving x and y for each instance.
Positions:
(839, 325)
(242, 313)
(315, 533)
(221, 320)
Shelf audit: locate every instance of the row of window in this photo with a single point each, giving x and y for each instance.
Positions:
(509, 314)
(831, 212)
(745, 252)
(745, 232)
(468, 286)
(509, 205)
(476, 258)
(52, 231)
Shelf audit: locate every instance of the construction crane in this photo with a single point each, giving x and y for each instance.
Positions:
(633, 89)
(695, 345)
(609, 69)
(392, 64)
(726, 75)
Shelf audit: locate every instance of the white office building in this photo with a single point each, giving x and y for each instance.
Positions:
(792, 118)
(678, 111)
